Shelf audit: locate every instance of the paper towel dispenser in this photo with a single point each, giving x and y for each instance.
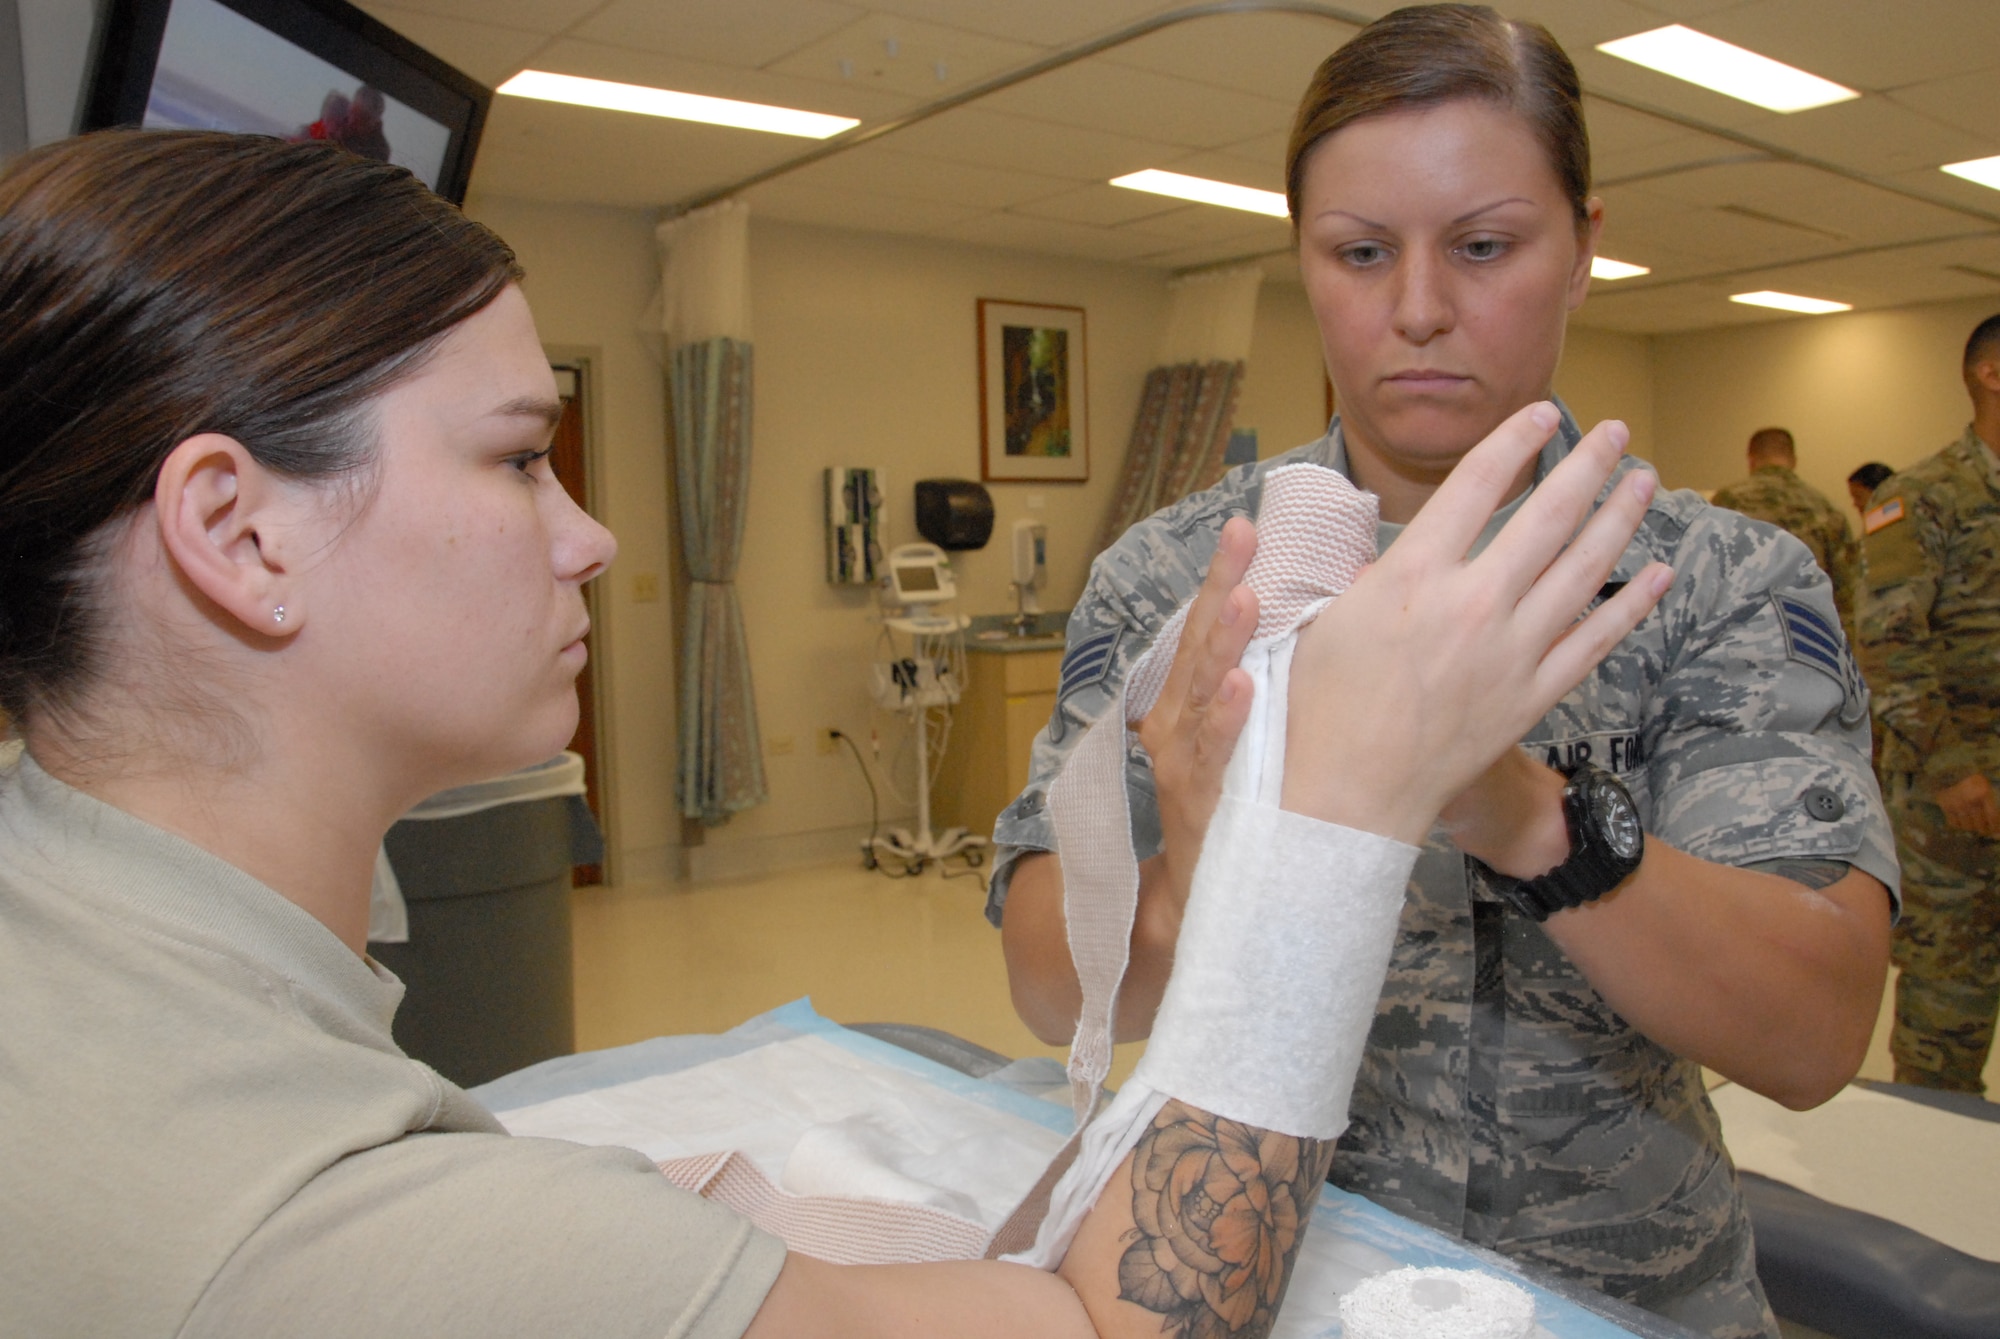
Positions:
(954, 514)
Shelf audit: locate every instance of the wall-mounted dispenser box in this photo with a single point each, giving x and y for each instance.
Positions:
(853, 527)
(954, 514)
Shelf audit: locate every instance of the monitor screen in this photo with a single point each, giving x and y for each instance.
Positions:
(295, 69)
(916, 579)
(219, 71)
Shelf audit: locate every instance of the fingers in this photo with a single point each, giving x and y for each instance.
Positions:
(1573, 579)
(1520, 553)
(1217, 608)
(1579, 650)
(1478, 485)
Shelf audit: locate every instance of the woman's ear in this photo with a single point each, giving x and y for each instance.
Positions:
(228, 523)
(1587, 234)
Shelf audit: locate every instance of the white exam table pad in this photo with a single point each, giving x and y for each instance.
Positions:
(823, 1110)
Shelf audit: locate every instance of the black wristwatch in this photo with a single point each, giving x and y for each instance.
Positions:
(1606, 844)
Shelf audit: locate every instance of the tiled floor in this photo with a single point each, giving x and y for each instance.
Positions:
(658, 959)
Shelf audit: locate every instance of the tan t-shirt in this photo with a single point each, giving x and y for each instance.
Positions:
(205, 1129)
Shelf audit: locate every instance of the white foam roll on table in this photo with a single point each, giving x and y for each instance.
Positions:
(1436, 1304)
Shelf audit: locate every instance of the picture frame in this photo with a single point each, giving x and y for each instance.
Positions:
(1034, 402)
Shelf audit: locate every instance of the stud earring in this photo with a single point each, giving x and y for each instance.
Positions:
(278, 614)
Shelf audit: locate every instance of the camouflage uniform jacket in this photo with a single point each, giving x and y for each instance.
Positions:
(1501, 1099)
(1777, 496)
(1930, 615)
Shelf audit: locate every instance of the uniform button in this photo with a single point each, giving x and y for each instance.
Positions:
(1823, 804)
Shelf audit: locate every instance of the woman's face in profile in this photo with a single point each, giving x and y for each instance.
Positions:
(1441, 259)
(448, 608)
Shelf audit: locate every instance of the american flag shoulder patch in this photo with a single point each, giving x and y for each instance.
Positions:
(1885, 515)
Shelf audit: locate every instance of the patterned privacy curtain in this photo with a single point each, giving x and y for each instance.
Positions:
(705, 313)
(1189, 403)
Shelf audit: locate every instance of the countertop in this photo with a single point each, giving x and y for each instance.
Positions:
(1045, 635)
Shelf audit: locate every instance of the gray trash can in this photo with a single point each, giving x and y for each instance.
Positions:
(487, 966)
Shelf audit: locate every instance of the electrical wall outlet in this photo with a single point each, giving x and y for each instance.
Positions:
(646, 587)
(829, 740)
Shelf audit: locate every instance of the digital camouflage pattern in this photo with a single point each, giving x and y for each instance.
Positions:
(1930, 639)
(1777, 496)
(1500, 1098)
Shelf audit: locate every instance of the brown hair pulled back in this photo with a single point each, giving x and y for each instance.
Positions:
(159, 284)
(1431, 54)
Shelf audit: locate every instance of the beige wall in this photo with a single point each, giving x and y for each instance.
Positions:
(590, 274)
(866, 353)
(1860, 386)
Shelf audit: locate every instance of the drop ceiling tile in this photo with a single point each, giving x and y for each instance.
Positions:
(988, 138)
(536, 16)
(1676, 157)
(1814, 202)
(1614, 129)
(1581, 24)
(1266, 55)
(1969, 101)
(1876, 136)
(1049, 23)
(547, 151)
(875, 170)
(1014, 232)
(1981, 203)
(1263, 152)
(489, 53)
(1867, 45)
(1211, 253)
(1097, 95)
(1101, 205)
(906, 57)
(801, 202)
(1212, 223)
(747, 33)
(632, 65)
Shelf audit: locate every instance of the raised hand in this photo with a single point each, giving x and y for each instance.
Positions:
(1433, 664)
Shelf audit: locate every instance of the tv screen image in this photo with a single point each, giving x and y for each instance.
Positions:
(294, 69)
(219, 71)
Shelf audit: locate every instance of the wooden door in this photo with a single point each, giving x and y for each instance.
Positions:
(571, 462)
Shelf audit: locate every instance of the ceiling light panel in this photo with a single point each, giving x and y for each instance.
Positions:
(1203, 191)
(1603, 267)
(645, 101)
(1791, 302)
(1724, 68)
(1983, 171)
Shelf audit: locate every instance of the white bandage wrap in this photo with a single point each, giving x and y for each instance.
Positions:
(1282, 955)
(1289, 924)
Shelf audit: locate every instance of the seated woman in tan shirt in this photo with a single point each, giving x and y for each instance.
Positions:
(280, 554)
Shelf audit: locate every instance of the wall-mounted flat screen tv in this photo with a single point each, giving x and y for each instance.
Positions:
(297, 69)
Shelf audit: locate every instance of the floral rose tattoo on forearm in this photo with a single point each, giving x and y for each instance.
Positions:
(1219, 1209)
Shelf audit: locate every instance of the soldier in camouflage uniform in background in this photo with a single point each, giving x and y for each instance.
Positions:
(1501, 1099)
(1776, 495)
(1930, 641)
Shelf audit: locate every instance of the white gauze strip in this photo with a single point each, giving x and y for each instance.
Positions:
(1278, 900)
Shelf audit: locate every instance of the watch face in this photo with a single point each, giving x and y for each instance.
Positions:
(1617, 819)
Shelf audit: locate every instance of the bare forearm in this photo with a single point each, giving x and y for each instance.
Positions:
(1040, 973)
(1768, 981)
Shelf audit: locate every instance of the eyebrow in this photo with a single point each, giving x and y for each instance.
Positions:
(532, 406)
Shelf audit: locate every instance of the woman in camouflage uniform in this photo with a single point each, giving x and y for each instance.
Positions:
(1531, 1084)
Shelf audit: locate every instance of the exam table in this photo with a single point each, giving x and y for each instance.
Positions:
(969, 1130)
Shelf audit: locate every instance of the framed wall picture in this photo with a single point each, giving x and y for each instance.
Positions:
(1034, 413)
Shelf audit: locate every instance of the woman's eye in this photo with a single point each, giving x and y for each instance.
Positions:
(526, 463)
(1484, 248)
(1365, 253)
